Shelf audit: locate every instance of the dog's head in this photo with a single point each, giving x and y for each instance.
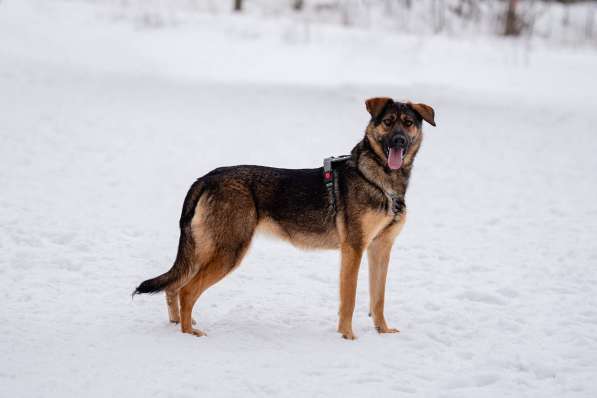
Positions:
(395, 129)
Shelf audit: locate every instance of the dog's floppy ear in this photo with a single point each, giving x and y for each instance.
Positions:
(425, 111)
(376, 105)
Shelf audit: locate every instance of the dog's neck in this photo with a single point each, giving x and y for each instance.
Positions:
(376, 170)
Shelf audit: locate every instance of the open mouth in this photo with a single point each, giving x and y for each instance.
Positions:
(395, 157)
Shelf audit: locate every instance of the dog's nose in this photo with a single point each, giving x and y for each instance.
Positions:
(399, 141)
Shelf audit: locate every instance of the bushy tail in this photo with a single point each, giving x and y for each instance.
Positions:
(182, 269)
(156, 284)
(178, 274)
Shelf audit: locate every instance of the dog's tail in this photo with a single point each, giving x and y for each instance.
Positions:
(180, 272)
(183, 267)
(157, 284)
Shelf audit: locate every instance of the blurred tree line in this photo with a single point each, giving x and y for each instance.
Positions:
(513, 17)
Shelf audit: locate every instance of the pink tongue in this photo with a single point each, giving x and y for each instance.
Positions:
(395, 158)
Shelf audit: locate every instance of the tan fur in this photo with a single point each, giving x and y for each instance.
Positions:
(369, 169)
(375, 105)
(204, 247)
(426, 112)
(201, 231)
(376, 147)
(173, 308)
(349, 271)
(207, 275)
(216, 221)
(372, 223)
(378, 255)
(172, 301)
(378, 234)
(328, 240)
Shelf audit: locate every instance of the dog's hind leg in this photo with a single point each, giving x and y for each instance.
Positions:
(208, 275)
(222, 229)
(173, 303)
(231, 246)
(173, 307)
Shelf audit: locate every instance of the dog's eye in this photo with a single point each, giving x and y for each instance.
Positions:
(387, 122)
(408, 123)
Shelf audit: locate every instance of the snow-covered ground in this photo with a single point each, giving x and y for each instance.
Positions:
(104, 125)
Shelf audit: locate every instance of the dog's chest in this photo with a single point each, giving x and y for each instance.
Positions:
(373, 222)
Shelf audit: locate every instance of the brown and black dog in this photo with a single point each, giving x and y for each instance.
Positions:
(362, 208)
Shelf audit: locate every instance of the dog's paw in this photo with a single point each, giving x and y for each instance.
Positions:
(348, 335)
(177, 321)
(196, 332)
(386, 329)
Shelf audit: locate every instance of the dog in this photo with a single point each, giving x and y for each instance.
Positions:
(354, 204)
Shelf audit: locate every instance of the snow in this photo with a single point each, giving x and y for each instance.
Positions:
(104, 125)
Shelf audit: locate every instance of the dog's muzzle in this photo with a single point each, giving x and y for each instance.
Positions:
(399, 141)
(396, 150)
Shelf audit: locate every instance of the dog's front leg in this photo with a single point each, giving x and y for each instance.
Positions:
(378, 256)
(349, 272)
